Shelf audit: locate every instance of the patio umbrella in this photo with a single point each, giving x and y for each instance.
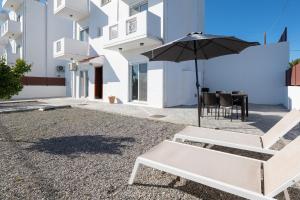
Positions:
(198, 46)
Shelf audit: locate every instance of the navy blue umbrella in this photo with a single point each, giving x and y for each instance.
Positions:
(198, 46)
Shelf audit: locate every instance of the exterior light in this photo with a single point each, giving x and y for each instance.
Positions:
(120, 49)
(141, 44)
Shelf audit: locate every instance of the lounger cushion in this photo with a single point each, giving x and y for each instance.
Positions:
(242, 139)
(218, 166)
(288, 122)
(283, 167)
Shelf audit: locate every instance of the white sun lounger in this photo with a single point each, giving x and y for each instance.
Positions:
(241, 176)
(261, 144)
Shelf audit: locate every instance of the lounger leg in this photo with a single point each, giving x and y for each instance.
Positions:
(134, 172)
(286, 195)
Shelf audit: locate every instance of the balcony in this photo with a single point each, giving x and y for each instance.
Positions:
(71, 9)
(70, 49)
(10, 57)
(12, 4)
(11, 29)
(140, 30)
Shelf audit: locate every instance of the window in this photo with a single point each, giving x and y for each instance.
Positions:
(131, 26)
(100, 32)
(19, 18)
(104, 2)
(113, 32)
(19, 51)
(13, 46)
(137, 8)
(139, 79)
(59, 3)
(58, 46)
(84, 35)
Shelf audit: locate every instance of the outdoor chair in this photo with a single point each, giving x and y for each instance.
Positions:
(204, 90)
(249, 142)
(242, 176)
(210, 102)
(220, 91)
(226, 103)
(237, 102)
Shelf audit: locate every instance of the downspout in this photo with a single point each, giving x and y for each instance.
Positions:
(46, 39)
(24, 32)
(118, 10)
(164, 30)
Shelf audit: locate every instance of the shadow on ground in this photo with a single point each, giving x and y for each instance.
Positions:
(88, 144)
(204, 192)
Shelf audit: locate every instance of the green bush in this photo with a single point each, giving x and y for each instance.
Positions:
(10, 78)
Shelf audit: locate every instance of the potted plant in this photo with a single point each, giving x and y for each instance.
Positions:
(112, 99)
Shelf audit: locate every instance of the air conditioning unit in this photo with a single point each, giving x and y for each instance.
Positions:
(60, 68)
(73, 66)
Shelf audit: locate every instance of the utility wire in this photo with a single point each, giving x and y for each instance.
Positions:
(279, 16)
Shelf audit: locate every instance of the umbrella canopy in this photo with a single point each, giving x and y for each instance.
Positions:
(206, 46)
(198, 46)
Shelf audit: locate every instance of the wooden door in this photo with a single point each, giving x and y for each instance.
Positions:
(98, 82)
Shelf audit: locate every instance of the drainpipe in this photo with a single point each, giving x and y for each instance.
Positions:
(24, 31)
(118, 10)
(46, 38)
(164, 35)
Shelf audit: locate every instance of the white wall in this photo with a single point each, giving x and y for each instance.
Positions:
(179, 78)
(33, 37)
(258, 71)
(293, 97)
(30, 92)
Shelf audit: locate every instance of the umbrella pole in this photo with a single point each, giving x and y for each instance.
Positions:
(198, 93)
(197, 84)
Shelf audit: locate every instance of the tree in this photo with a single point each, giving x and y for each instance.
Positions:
(10, 78)
(295, 62)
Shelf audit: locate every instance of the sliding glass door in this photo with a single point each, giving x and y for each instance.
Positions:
(139, 78)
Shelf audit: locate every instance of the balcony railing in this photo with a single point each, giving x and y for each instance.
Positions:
(11, 29)
(71, 9)
(12, 4)
(70, 49)
(142, 29)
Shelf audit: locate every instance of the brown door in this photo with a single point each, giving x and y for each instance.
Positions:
(98, 82)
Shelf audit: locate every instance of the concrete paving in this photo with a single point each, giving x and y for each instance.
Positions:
(261, 117)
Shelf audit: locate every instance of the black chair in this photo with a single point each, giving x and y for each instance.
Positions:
(237, 102)
(219, 92)
(210, 101)
(204, 90)
(226, 102)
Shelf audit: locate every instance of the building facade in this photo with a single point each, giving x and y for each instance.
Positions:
(104, 53)
(28, 29)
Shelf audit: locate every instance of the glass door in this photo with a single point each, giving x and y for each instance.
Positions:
(139, 79)
(84, 84)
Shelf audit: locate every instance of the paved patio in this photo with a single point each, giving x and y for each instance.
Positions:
(261, 117)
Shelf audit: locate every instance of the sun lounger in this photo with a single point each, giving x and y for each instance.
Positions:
(241, 176)
(261, 144)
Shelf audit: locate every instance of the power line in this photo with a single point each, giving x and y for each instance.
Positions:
(279, 16)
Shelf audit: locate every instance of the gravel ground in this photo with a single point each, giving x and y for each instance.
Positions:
(84, 154)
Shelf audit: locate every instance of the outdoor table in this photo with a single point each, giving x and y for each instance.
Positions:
(245, 104)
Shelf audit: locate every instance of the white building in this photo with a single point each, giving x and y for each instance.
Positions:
(28, 29)
(110, 35)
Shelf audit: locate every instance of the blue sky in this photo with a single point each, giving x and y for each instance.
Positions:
(249, 19)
